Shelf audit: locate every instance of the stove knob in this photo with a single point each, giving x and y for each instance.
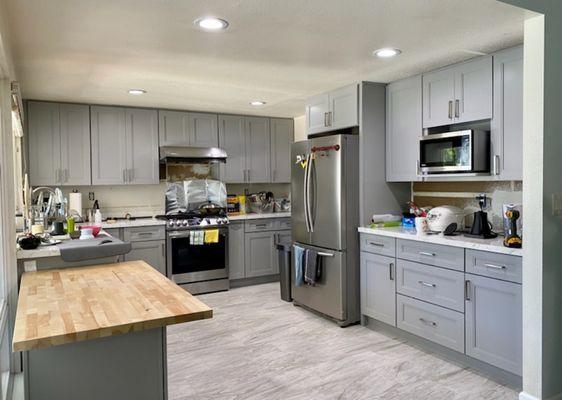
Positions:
(185, 222)
(171, 224)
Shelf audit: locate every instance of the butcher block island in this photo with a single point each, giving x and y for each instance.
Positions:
(99, 331)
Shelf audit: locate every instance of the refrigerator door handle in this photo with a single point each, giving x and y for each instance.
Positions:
(308, 202)
(305, 192)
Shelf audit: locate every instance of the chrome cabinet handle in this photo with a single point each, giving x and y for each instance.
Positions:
(457, 108)
(144, 233)
(325, 119)
(425, 253)
(325, 254)
(376, 244)
(330, 118)
(261, 226)
(450, 109)
(390, 271)
(467, 290)
(432, 285)
(427, 322)
(494, 266)
(496, 165)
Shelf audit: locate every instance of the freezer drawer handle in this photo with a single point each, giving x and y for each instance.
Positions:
(325, 254)
(425, 253)
(425, 321)
(502, 267)
(427, 284)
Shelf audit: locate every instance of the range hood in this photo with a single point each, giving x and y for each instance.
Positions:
(185, 154)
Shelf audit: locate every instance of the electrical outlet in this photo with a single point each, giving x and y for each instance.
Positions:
(557, 204)
(91, 196)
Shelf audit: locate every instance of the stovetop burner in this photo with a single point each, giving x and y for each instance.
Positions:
(191, 220)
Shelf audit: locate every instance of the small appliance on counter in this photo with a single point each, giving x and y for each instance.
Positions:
(440, 218)
(512, 225)
(481, 227)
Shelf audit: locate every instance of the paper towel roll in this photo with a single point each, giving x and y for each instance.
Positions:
(75, 202)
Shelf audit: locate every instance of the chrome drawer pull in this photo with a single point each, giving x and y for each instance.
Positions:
(325, 254)
(425, 321)
(376, 244)
(425, 253)
(495, 266)
(427, 284)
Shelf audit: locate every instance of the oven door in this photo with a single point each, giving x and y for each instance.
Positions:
(196, 262)
(447, 152)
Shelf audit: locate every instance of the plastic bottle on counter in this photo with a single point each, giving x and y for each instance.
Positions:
(97, 217)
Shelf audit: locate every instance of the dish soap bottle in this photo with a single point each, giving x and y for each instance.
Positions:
(97, 213)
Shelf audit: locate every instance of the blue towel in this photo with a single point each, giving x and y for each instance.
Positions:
(299, 256)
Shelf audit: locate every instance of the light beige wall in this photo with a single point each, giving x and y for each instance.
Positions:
(300, 128)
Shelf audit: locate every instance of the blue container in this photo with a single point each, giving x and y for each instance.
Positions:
(409, 221)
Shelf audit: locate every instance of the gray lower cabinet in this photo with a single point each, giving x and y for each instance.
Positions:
(236, 250)
(378, 289)
(260, 254)
(494, 322)
(152, 252)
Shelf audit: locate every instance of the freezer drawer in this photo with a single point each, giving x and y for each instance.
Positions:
(328, 296)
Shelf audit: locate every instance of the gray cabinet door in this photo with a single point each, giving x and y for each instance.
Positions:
(403, 129)
(203, 130)
(258, 150)
(109, 145)
(473, 90)
(260, 254)
(152, 252)
(507, 125)
(232, 139)
(378, 287)
(281, 140)
(236, 250)
(142, 146)
(344, 107)
(438, 97)
(317, 108)
(44, 143)
(173, 128)
(75, 144)
(494, 322)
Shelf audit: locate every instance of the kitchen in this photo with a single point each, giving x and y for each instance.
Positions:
(228, 194)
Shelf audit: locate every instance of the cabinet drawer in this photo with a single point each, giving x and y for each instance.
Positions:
(438, 324)
(261, 225)
(284, 223)
(433, 254)
(499, 266)
(376, 244)
(432, 284)
(143, 233)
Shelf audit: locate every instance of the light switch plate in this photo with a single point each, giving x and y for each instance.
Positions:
(557, 204)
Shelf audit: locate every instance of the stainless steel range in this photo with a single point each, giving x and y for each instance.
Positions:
(197, 237)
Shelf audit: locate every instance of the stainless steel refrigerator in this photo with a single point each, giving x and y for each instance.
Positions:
(325, 217)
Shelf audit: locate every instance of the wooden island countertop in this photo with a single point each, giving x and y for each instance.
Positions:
(75, 304)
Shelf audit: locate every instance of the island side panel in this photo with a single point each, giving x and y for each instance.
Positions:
(130, 366)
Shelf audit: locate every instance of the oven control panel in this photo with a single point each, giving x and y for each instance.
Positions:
(196, 222)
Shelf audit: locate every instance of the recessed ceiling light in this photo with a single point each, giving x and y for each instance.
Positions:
(137, 92)
(211, 23)
(257, 103)
(386, 52)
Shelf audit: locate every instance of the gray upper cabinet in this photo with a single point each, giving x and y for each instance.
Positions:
(403, 125)
(282, 132)
(124, 146)
(258, 150)
(334, 110)
(173, 128)
(378, 287)
(59, 144)
(179, 128)
(236, 250)
(260, 254)
(109, 145)
(459, 93)
(232, 139)
(142, 146)
(494, 322)
(507, 125)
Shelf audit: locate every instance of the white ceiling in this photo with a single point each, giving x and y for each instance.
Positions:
(280, 51)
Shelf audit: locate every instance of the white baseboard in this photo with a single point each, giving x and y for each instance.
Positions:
(525, 396)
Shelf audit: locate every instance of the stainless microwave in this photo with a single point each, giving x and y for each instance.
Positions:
(465, 151)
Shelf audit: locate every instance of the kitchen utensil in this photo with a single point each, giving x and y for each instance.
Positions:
(210, 208)
(512, 239)
(49, 242)
(58, 228)
(86, 233)
(95, 229)
(29, 242)
(441, 217)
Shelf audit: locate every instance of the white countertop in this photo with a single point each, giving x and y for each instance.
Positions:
(242, 217)
(46, 251)
(132, 223)
(491, 245)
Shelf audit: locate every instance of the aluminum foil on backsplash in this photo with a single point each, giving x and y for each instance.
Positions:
(182, 172)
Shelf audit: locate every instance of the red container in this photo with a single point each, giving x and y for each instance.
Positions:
(95, 229)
